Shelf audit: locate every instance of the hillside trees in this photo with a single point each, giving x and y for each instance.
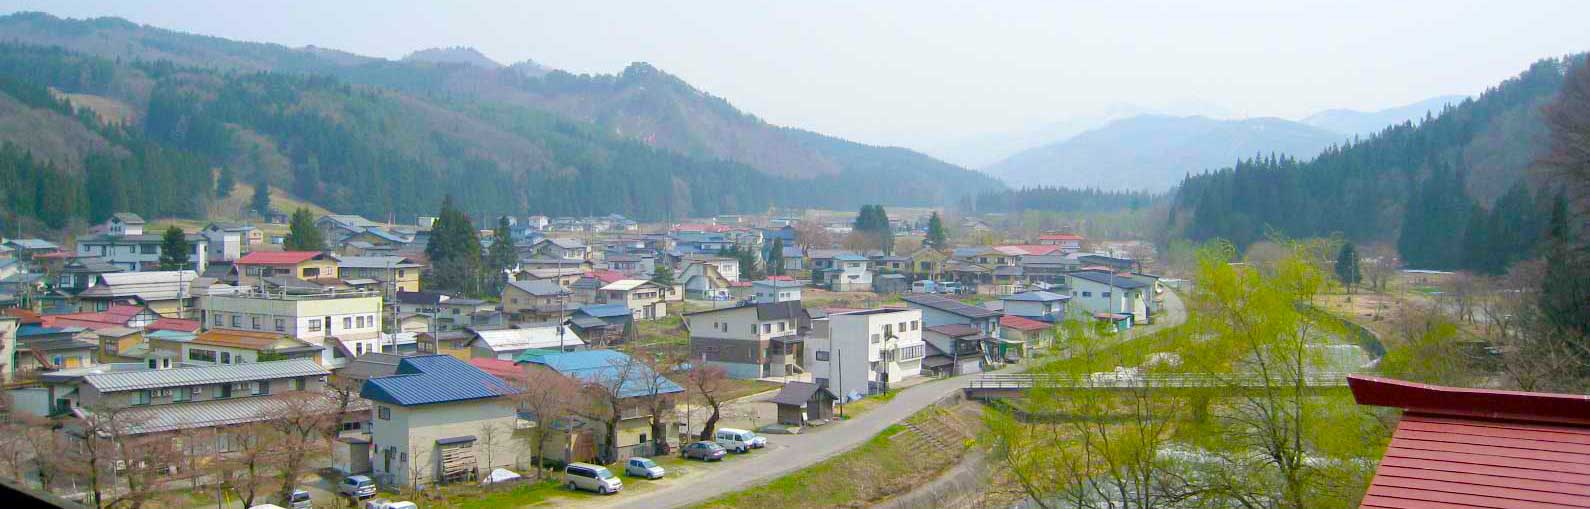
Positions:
(502, 255)
(1347, 266)
(775, 258)
(872, 224)
(454, 251)
(937, 237)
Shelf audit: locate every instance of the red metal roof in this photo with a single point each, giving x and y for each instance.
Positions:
(277, 257)
(499, 368)
(608, 276)
(174, 324)
(1460, 447)
(1021, 323)
(117, 315)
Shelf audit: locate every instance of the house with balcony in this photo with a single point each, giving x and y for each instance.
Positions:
(849, 273)
(254, 268)
(643, 298)
(954, 349)
(392, 273)
(865, 351)
(342, 323)
(613, 374)
(751, 340)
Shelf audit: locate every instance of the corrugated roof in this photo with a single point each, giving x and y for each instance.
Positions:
(955, 330)
(170, 335)
(277, 257)
(513, 340)
(1036, 296)
(376, 262)
(174, 324)
(428, 379)
(223, 412)
(1021, 323)
(1108, 279)
(949, 305)
(539, 288)
(607, 310)
(796, 393)
(603, 368)
(625, 285)
(178, 377)
(1470, 447)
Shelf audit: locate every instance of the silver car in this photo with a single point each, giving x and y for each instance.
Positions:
(644, 467)
(597, 478)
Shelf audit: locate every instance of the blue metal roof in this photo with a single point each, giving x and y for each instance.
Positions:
(607, 310)
(602, 367)
(427, 379)
(850, 258)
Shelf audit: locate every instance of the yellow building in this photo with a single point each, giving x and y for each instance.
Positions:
(393, 272)
(258, 265)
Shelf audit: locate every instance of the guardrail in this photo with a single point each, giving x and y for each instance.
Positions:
(1111, 380)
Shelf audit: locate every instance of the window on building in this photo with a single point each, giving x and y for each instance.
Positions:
(877, 337)
(182, 394)
(143, 397)
(1087, 294)
(226, 357)
(314, 325)
(384, 413)
(915, 324)
(281, 324)
(165, 363)
(237, 321)
(201, 355)
(218, 320)
(311, 272)
(254, 322)
(298, 384)
(149, 249)
(781, 326)
(223, 391)
(347, 322)
(1105, 295)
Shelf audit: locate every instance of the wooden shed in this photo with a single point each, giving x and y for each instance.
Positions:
(800, 403)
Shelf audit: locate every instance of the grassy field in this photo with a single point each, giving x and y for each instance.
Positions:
(889, 464)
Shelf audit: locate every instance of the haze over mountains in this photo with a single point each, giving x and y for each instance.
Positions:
(1154, 152)
(514, 140)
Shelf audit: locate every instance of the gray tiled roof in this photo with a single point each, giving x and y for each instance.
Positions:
(948, 305)
(221, 412)
(178, 377)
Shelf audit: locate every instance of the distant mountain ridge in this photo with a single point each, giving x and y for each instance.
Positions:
(1364, 123)
(1154, 152)
(507, 127)
(454, 55)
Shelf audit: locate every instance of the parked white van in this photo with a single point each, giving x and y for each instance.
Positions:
(597, 478)
(739, 440)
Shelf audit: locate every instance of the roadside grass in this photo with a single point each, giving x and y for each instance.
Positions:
(666, 331)
(517, 495)
(868, 403)
(890, 463)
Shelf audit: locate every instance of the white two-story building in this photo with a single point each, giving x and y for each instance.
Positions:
(342, 322)
(865, 351)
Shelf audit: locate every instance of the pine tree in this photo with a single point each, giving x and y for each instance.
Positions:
(775, 257)
(174, 249)
(454, 251)
(261, 201)
(1565, 288)
(936, 237)
(302, 235)
(502, 254)
(1347, 266)
(225, 183)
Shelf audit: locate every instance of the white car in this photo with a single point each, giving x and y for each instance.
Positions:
(739, 440)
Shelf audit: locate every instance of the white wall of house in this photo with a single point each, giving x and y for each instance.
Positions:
(865, 346)
(1094, 297)
(409, 434)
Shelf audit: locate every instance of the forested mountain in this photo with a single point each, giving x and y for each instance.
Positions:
(380, 137)
(1364, 123)
(1154, 152)
(455, 55)
(1451, 192)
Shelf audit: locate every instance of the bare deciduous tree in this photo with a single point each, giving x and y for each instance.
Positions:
(708, 381)
(245, 470)
(299, 419)
(548, 397)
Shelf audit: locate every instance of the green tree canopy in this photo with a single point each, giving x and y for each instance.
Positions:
(1347, 266)
(174, 248)
(936, 237)
(454, 251)
(302, 235)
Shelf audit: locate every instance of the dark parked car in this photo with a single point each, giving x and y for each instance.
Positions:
(705, 451)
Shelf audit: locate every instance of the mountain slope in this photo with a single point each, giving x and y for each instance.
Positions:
(455, 55)
(1153, 152)
(1482, 148)
(1365, 123)
(641, 103)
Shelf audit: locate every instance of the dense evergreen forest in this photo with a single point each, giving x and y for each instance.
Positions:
(1414, 185)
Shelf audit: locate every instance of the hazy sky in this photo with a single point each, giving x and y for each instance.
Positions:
(918, 73)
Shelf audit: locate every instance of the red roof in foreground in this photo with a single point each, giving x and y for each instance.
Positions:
(1472, 447)
(276, 257)
(499, 368)
(1021, 323)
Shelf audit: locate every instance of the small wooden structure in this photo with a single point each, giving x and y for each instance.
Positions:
(457, 457)
(800, 403)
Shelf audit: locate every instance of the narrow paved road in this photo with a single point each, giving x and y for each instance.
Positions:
(789, 453)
